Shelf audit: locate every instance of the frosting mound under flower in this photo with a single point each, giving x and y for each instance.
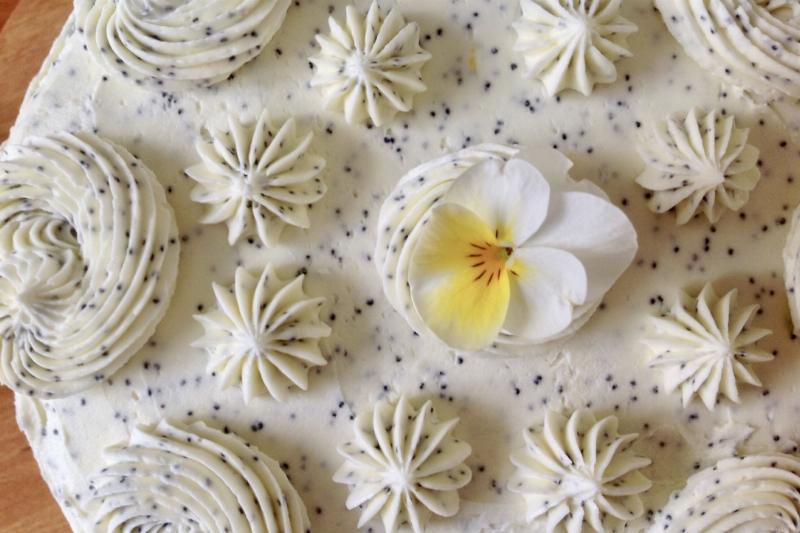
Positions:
(177, 43)
(485, 252)
(257, 176)
(264, 335)
(698, 161)
(579, 475)
(706, 347)
(572, 44)
(174, 477)
(756, 493)
(753, 44)
(370, 67)
(403, 465)
(88, 261)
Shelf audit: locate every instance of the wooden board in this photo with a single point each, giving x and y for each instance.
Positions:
(26, 505)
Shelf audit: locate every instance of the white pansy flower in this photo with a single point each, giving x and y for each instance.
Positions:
(370, 66)
(503, 251)
(706, 347)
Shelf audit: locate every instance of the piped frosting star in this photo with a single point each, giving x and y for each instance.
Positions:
(257, 176)
(572, 44)
(706, 347)
(264, 335)
(404, 465)
(370, 66)
(697, 162)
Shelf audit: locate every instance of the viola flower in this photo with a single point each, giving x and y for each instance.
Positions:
(504, 251)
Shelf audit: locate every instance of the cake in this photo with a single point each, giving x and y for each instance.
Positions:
(505, 265)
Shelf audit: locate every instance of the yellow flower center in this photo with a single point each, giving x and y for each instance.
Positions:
(489, 260)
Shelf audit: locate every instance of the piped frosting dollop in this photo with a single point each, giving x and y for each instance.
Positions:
(178, 44)
(257, 176)
(697, 162)
(88, 260)
(579, 474)
(176, 477)
(264, 334)
(706, 346)
(754, 493)
(572, 44)
(370, 67)
(404, 465)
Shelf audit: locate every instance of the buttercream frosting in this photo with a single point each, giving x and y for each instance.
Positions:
(737, 495)
(699, 161)
(370, 67)
(572, 44)
(706, 346)
(791, 268)
(257, 177)
(264, 335)
(404, 465)
(178, 44)
(579, 474)
(88, 260)
(176, 477)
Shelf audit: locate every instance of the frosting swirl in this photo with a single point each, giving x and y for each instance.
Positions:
(264, 334)
(404, 464)
(705, 346)
(173, 477)
(753, 44)
(88, 261)
(698, 161)
(580, 474)
(257, 176)
(737, 495)
(370, 69)
(569, 44)
(178, 44)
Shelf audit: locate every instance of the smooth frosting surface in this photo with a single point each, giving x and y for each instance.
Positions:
(578, 474)
(404, 464)
(174, 477)
(177, 44)
(264, 335)
(88, 260)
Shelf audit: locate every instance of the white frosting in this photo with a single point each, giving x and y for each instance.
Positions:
(572, 45)
(579, 475)
(753, 44)
(370, 67)
(178, 44)
(697, 162)
(257, 177)
(751, 494)
(408, 207)
(88, 259)
(706, 347)
(791, 268)
(174, 477)
(264, 335)
(404, 465)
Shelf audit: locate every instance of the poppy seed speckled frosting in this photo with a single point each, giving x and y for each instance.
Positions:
(339, 307)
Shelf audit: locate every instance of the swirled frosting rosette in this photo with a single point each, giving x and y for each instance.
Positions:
(88, 261)
(579, 474)
(572, 44)
(750, 494)
(178, 44)
(404, 465)
(257, 176)
(174, 477)
(753, 44)
(370, 67)
(488, 252)
(264, 335)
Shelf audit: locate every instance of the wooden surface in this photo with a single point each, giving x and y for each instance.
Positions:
(27, 29)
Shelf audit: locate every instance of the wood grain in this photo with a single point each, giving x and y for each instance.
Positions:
(28, 28)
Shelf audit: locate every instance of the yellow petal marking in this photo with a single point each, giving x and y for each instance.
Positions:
(460, 279)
